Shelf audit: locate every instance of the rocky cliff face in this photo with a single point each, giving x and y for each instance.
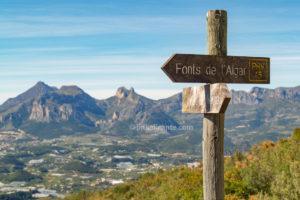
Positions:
(127, 105)
(69, 109)
(39, 113)
(291, 94)
(170, 104)
(241, 97)
(69, 105)
(122, 92)
(45, 113)
(257, 95)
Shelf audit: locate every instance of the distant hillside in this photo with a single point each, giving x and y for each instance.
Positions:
(48, 112)
(37, 90)
(269, 171)
(257, 95)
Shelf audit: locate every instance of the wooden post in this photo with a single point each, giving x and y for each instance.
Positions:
(213, 124)
(217, 32)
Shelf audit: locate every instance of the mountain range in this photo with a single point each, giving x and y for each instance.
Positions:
(48, 112)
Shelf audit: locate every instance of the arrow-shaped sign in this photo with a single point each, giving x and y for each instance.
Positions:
(217, 69)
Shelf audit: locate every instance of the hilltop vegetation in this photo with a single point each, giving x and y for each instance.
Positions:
(20, 175)
(79, 167)
(268, 171)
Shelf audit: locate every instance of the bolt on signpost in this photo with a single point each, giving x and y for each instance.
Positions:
(212, 99)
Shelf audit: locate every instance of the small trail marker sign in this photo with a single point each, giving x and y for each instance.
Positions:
(212, 98)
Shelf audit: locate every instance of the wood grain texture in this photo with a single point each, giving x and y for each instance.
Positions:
(217, 32)
(211, 98)
(213, 157)
(213, 124)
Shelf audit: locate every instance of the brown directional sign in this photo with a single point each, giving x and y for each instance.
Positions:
(189, 68)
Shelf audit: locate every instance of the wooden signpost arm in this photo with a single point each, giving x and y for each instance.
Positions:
(213, 124)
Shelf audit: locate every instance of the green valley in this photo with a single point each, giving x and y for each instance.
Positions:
(268, 171)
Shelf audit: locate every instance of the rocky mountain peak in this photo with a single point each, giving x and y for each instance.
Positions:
(70, 110)
(123, 92)
(242, 97)
(279, 93)
(258, 92)
(72, 90)
(257, 95)
(38, 89)
(40, 84)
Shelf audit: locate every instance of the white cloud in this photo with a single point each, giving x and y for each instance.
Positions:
(87, 60)
(45, 49)
(263, 25)
(287, 58)
(81, 65)
(51, 26)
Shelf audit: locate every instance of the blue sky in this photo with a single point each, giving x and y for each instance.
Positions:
(102, 45)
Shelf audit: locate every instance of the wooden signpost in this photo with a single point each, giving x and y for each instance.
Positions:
(212, 99)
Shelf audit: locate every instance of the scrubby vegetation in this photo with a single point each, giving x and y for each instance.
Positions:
(268, 171)
(79, 167)
(17, 196)
(20, 175)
